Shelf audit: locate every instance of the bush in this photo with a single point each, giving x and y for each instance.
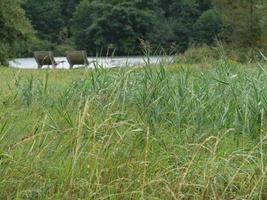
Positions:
(198, 54)
(3, 54)
(244, 55)
(207, 54)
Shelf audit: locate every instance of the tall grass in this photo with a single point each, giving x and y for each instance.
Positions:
(156, 132)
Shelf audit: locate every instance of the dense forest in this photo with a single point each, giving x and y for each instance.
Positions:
(123, 26)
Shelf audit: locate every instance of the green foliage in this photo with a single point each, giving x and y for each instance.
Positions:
(62, 48)
(16, 31)
(46, 18)
(99, 26)
(207, 27)
(185, 13)
(68, 8)
(202, 55)
(205, 4)
(164, 34)
(242, 21)
(174, 23)
(51, 20)
(263, 24)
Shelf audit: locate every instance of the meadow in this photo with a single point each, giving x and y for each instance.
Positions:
(152, 132)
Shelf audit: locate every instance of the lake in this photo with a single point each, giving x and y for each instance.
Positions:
(107, 62)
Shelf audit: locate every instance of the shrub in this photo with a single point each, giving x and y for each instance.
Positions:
(207, 54)
(244, 55)
(198, 54)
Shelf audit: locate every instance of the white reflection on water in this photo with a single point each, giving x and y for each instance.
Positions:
(29, 63)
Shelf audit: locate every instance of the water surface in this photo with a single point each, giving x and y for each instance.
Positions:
(29, 63)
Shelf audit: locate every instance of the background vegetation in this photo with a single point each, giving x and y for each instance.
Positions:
(104, 26)
(16, 30)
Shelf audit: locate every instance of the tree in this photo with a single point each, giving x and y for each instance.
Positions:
(179, 16)
(68, 9)
(164, 35)
(46, 18)
(207, 27)
(241, 20)
(16, 30)
(205, 5)
(102, 26)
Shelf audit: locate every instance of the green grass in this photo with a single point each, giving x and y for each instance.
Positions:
(158, 132)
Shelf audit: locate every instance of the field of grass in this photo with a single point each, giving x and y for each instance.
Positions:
(154, 132)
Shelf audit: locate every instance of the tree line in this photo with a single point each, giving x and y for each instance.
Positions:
(120, 26)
